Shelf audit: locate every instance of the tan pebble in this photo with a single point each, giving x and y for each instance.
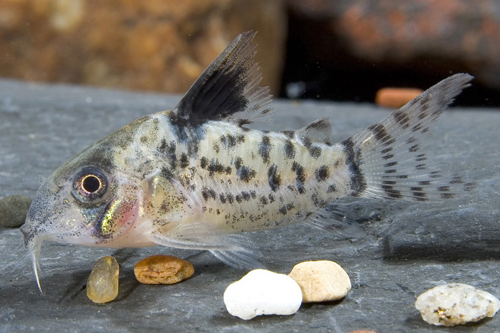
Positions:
(395, 97)
(321, 280)
(102, 284)
(162, 269)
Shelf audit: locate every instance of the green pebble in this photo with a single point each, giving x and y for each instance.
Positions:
(13, 210)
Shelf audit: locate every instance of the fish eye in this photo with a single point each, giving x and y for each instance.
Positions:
(89, 184)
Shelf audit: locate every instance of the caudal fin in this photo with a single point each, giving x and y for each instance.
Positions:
(386, 159)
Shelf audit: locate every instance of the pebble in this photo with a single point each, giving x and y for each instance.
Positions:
(395, 97)
(262, 292)
(455, 304)
(162, 269)
(321, 280)
(13, 210)
(102, 284)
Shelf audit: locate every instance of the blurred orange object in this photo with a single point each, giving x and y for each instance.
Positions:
(396, 97)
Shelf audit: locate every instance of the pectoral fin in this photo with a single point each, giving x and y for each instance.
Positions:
(233, 250)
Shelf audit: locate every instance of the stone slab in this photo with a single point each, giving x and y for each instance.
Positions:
(400, 254)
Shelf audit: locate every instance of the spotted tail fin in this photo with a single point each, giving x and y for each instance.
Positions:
(386, 159)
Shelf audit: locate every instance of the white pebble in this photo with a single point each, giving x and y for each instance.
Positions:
(262, 292)
(456, 303)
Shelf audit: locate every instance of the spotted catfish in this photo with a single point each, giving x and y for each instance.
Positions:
(195, 177)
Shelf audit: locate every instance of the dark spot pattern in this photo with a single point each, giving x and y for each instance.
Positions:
(289, 150)
(315, 151)
(386, 150)
(245, 195)
(168, 150)
(358, 183)
(203, 162)
(184, 162)
(238, 162)
(402, 119)
(418, 193)
(331, 188)
(420, 157)
(208, 193)
(391, 192)
(445, 192)
(265, 148)
(245, 173)
(322, 173)
(379, 131)
(300, 177)
(274, 179)
(215, 167)
(388, 156)
(414, 148)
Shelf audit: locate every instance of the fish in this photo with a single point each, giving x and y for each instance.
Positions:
(197, 177)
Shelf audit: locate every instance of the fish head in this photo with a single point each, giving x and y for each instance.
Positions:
(88, 201)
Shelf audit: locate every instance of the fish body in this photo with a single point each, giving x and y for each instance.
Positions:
(195, 177)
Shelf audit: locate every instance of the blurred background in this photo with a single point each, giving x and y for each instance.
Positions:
(341, 50)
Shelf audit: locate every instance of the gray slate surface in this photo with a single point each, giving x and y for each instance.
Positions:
(404, 249)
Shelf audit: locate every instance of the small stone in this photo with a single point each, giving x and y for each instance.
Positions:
(162, 269)
(395, 97)
(102, 285)
(13, 210)
(321, 280)
(455, 304)
(362, 331)
(262, 292)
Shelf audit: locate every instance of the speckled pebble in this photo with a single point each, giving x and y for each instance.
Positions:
(262, 292)
(455, 303)
(321, 280)
(162, 269)
(102, 284)
(13, 210)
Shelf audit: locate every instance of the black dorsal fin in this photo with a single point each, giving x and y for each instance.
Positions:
(228, 88)
(318, 131)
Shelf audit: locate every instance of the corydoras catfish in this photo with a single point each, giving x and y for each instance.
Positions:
(195, 177)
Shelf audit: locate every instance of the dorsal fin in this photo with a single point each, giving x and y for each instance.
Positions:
(228, 88)
(318, 131)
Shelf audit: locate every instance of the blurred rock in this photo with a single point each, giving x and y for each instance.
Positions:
(160, 45)
(13, 210)
(395, 97)
(399, 41)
